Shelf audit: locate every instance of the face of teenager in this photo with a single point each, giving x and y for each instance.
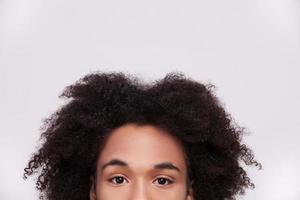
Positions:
(141, 163)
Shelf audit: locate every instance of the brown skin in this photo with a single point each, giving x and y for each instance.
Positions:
(141, 147)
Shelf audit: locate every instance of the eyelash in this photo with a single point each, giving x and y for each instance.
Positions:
(168, 180)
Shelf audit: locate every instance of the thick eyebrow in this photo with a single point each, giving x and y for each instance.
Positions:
(118, 162)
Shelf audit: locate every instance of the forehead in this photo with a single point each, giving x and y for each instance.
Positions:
(142, 146)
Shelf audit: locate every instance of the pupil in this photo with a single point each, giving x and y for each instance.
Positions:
(119, 179)
(161, 180)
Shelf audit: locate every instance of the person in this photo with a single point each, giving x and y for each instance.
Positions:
(119, 138)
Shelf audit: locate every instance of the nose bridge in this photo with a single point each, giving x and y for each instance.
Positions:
(139, 190)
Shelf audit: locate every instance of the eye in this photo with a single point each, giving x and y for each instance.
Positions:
(118, 180)
(163, 181)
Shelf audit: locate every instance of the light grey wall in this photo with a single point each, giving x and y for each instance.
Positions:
(249, 49)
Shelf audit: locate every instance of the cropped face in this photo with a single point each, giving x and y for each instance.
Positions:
(141, 163)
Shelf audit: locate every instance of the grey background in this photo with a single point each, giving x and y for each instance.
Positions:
(249, 49)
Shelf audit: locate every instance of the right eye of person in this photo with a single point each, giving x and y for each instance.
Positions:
(117, 180)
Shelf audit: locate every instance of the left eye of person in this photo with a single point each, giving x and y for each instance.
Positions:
(162, 181)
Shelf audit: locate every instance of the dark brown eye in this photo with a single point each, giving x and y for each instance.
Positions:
(118, 179)
(163, 181)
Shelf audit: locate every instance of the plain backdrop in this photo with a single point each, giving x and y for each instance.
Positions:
(249, 49)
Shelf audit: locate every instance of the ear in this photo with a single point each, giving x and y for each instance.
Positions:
(93, 189)
(190, 195)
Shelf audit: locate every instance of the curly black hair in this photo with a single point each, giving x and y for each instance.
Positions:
(72, 137)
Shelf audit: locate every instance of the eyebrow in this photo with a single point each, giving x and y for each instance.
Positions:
(118, 162)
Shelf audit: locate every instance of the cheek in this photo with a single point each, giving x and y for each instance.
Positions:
(112, 193)
(175, 193)
(106, 191)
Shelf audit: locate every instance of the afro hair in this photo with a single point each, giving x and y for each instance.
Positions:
(72, 137)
